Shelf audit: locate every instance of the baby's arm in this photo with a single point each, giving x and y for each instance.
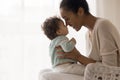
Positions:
(68, 45)
(73, 39)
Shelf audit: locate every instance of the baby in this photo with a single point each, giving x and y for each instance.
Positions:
(56, 31)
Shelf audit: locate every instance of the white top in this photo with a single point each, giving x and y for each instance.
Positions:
(104, 43)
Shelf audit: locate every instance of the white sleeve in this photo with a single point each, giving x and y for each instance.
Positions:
(108, 48)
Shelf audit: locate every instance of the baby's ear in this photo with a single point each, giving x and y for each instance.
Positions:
(58, 32)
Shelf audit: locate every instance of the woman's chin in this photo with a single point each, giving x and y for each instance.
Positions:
(77, 29)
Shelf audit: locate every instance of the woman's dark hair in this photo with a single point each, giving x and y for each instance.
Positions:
(50, 26)
(74, 5)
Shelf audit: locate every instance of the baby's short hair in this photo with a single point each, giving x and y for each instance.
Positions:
(50, 26)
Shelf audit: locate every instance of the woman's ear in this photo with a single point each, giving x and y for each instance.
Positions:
(80, 11)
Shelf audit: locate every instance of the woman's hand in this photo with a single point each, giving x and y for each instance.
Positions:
(75, 54)
(71, 55)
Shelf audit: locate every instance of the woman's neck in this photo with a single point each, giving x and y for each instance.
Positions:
(90, 21)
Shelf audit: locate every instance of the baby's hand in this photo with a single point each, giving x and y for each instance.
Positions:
(59, 50)
(73, 39)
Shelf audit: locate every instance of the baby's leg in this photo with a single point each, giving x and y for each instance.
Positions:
(77, 69)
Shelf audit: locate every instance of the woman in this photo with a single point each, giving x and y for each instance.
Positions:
(102, 38)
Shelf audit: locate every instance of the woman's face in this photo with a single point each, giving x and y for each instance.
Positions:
(71, 19)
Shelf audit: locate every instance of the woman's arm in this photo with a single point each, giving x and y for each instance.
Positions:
(75, 54)
(80, 58)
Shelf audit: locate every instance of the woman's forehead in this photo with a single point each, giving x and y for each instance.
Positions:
(65, 13)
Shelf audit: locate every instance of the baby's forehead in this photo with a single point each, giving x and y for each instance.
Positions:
(62, 22)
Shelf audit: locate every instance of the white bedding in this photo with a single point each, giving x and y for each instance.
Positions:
(49, 75)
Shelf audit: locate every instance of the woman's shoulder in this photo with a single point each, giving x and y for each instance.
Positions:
(102, 24)
(103, 21)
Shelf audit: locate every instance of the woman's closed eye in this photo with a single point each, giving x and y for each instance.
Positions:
(67, 19)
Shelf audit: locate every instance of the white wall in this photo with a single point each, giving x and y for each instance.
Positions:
(23, 46)
(109, 9)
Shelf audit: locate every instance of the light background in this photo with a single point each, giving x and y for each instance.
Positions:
(24, 47)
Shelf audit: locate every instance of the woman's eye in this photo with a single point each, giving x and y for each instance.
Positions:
(67, 19)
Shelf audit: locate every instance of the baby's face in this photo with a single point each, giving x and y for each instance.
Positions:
(63, 30)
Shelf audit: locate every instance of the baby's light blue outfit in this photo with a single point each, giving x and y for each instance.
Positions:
(66, 45)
